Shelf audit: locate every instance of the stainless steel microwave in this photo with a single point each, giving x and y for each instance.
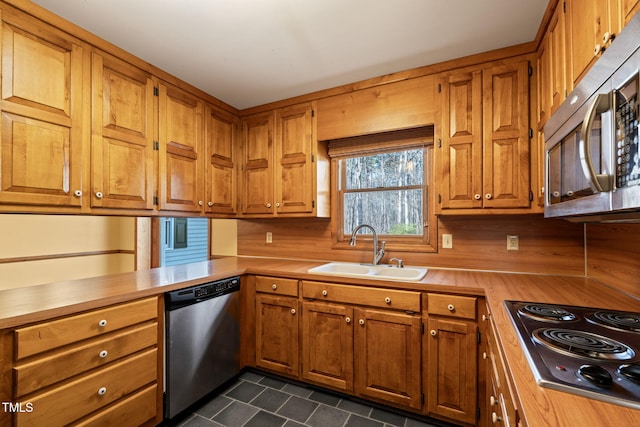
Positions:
(592, 168)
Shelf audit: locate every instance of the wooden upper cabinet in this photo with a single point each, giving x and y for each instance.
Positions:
(221, 129)
(506, 136)
(122, 135)
(483, 143)
(180, 156)
(285, 171)
(460, 144)
(591, 27)
(293, 154)
(257, 164)
(41, 155)
(628, 8)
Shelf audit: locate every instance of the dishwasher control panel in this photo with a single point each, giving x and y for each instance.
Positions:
(183, 297)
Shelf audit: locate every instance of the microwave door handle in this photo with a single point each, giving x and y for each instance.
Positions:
(599, 182)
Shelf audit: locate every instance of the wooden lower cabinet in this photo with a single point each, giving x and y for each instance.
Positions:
(452, 357)
(100, 367)
(277, 334)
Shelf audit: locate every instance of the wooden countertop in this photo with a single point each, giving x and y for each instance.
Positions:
(539, 406)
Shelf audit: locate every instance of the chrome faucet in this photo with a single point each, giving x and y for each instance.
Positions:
(377, 254)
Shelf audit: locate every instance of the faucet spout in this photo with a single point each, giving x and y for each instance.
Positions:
(377, 253)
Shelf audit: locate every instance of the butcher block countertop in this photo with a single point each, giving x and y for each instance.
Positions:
(539, 406)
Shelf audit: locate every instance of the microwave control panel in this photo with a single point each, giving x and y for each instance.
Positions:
(626, 122)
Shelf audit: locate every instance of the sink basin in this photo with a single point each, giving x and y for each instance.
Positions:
(366, 271)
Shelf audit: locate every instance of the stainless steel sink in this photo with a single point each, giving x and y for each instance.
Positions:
(366, 271)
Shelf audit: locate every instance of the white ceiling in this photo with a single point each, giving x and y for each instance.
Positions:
(251, 52)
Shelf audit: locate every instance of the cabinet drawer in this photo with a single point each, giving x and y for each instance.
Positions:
(359, 295)
(49, 335)
(74, 400)
(80, 358)
(451, 305)
(277, 285)
(132, 411)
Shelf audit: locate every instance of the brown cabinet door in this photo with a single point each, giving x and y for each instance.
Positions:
(628, 9)
(277, 334)
(452, 369)
(461, 151)
(180, 150)
(327, 345)
(257, 164)
(221, 162)
(293, 151)
(122, 135)
(387, 357)
(587, 24)
(506, 136)
(41, 153)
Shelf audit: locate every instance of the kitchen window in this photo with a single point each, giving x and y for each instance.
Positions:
(383, 181)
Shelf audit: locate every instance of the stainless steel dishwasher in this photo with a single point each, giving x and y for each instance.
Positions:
(202, 327)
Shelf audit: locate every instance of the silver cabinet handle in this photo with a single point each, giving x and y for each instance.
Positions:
(102, 391)
(99, 194)
(103, 354)
(102, 323)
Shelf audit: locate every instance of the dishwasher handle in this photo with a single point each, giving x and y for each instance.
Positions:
(195, 294)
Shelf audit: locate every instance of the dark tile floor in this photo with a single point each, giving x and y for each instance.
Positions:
(255, 400)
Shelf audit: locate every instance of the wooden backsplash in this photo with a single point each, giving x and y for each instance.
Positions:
(479, 242)
(613, 255)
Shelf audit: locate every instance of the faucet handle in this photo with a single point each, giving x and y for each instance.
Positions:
(399, 262)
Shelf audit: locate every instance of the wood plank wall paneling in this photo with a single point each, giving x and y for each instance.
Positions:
(479, 242)
(613, 255)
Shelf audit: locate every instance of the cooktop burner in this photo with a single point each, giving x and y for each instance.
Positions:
(545, 312)
(587, 351)
(616, 320)
(582, 344)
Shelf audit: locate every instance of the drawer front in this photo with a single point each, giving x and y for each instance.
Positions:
(74, 400)
(89, 355)
(132, 411)
(49, 335)
(451, 305)
(277, 286)
(359, 295)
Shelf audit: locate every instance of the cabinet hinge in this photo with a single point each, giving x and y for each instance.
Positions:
(439, 142)
(530, 70)
(313, 203)
(439, 198)
(156, 202)
(530, 133)
(564, 6)
(422, 328)
(439, 87)
(422, 398)
(313, 158)
(156, 146)
(313, 113)
(156, 91)
(531, 195)
(479, 338)
(478, 414)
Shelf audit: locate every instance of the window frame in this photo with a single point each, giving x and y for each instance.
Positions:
(401, 243)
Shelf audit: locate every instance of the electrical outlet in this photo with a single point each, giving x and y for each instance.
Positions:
(513, 243)
(269, 237)
(447, 241)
